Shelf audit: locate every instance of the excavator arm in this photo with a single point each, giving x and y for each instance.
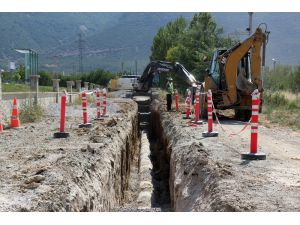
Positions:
(145, 82)
(229, 62)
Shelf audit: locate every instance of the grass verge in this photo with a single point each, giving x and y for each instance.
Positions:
(23, 88)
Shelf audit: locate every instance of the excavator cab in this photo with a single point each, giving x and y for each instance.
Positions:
(216, 81)
(214, 72)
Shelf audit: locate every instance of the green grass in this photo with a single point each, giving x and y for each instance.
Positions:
(46, 88)
(23, 88)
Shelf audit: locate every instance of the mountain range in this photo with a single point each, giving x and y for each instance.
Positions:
(110, 39)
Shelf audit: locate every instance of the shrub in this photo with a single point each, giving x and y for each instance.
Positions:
(275, 99)
(30, 113)
(293, 105)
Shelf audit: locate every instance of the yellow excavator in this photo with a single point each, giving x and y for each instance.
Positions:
(235, 73)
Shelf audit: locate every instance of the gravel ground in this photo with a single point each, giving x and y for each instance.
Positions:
(207, 174)
(81, 173)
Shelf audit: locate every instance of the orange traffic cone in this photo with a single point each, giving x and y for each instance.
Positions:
(14, 120)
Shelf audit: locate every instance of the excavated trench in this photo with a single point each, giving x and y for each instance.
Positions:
(151, 177)
(160, 158)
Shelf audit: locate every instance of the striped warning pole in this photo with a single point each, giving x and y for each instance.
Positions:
(254, 155)
(196, 120)
(188, 106)
(176, 100)
(98, 104)
(104, 103)
(62, 133)
(85, 124)
(210, 132)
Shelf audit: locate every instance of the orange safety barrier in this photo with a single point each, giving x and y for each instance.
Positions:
(210, 132)
(254, 154)
(196, 120)
(188, 106)
(14, 119)
(62, 133)
(85, 124)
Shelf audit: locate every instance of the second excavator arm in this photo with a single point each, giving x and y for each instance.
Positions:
(164, 66)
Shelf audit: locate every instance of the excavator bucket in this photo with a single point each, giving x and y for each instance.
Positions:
(242, 84)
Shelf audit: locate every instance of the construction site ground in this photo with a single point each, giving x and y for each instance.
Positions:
(99, 169)
(209, 175)
(80, 173)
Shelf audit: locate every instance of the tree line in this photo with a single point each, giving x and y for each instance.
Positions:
(283, 78)
(99, 76)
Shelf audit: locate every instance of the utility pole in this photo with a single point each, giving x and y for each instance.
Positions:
(122, 68)
(80, 49)
(250, 22)
(274, 63)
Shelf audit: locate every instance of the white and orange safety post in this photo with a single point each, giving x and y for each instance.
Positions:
(196, 120)
(14, 119)
(104, 114)
(176, 101)
(98, 105)
(188, 105)
(254, 154)
(85, 124)
(210, 132)
(62, 133)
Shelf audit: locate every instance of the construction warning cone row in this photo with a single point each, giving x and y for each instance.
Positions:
(254, 154)
(85, 124)
(62, 133)
(210, 132)
(188, 106)
(14, 119)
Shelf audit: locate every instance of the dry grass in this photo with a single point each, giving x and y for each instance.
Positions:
(281, 108)
(90, 99)
(289, 95)
(30, 113)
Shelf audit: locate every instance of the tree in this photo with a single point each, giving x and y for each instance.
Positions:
(191, 45)
(19, 74)
(166, 38)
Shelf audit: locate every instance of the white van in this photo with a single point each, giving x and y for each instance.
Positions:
(126, 82)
